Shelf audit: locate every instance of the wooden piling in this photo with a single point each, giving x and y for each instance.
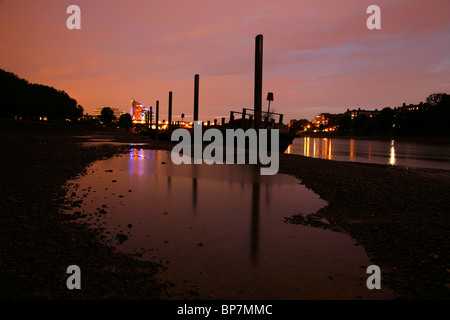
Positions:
(157, 114)
(151, 117)
(258, 80)
(170, 110)
(196, 89)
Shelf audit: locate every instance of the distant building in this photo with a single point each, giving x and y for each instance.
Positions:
(357, 112)
(139, 112)
(321, 119)
(117, 112)
(411, 107)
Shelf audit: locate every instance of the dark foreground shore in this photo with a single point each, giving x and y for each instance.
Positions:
(37, 243)
(401, 217)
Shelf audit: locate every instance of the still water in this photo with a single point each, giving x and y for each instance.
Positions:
(397, 153)
(220, 229)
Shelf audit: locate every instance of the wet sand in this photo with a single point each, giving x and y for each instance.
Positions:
(401, 217)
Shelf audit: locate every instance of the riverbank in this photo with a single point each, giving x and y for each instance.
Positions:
(400, 216)
(38, 243)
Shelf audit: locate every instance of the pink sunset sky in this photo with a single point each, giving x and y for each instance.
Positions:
(319, 56)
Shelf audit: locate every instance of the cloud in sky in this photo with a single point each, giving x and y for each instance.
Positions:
(318, 56)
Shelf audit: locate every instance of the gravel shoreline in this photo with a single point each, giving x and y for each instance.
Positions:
(37, 242)
(400, 216)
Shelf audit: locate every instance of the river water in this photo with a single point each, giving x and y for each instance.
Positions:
(389, 152)
(220, 229)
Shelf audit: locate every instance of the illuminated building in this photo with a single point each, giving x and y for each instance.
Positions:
(321, 119)
(138, 112)
(356, 112)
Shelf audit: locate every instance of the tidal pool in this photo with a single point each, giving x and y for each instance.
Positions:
(219, 229)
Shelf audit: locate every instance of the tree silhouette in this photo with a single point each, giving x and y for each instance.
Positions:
(436, 98)
(24, 100)
(107, 116)
(125, 121)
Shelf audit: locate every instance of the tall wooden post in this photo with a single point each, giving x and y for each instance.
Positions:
(231, 116)
(151, 117)
(196, 85)
(170, 110)
(258, 80)
(157, 114)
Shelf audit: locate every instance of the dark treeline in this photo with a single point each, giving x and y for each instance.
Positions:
(23, 100)
(430, 117)
(426, 118)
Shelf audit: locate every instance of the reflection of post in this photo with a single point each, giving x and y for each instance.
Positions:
(169, 180)
(254, 234)
(194, 187)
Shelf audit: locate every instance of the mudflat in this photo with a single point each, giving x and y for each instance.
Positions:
(400, 216)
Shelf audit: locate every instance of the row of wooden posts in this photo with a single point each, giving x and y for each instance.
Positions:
(255, 119)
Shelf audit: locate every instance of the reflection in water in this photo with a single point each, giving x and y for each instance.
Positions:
(352, 148)
(194, 187)
(329, 151)
(399, 153)
(255, 216)
(306, 144)
(208, 225)
(392, 158)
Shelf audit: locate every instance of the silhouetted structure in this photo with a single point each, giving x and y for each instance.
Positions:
(196, 89)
